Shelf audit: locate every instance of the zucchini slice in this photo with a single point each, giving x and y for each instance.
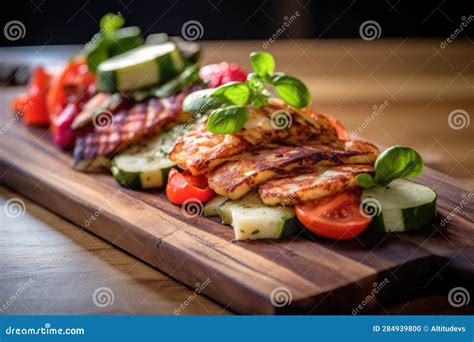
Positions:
(137, 171)
(138, 68)
(211, 207)
(400, 206)
(142, 167)
(252, 219)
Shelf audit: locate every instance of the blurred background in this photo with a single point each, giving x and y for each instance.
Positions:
(74, 21)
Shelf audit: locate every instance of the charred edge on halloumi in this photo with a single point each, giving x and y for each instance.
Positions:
(311, 185)
(199, 151)
(236, 178)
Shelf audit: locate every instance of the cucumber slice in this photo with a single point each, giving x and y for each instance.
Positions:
(190, 50)
(136, 171)
(401, 206)
(126, 39)
(143, 166)
(225, 210)
(140, 67)
(120, 41)
(210, 209)
(189, 76)
(252, 219)
(263, 223)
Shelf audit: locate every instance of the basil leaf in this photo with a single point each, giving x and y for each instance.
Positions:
(227, 120)
(397, 162)
(365, 180)
(263, 63)
(259, 101)
(236, 93)
(255, 82)
(201, 101)
(292, 90)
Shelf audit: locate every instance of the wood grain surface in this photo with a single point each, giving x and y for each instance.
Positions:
(58, 267)
(322, 277)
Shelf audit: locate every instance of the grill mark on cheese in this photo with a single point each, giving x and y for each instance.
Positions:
(199, 151)
(236, 178)
(311, 185)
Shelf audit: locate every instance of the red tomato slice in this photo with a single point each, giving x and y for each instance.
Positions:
(336, 217)
(34, 112)
(75, 73)
(342, 132)
(40, 81)
(32, 104)
(182, 186)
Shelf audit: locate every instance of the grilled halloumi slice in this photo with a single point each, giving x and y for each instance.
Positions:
(236, 178)
(279, 122)
(199, 151)
(355, 151)
(311, 185)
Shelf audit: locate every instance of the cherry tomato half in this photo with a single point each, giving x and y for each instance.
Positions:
(183, 186)
(337, 217)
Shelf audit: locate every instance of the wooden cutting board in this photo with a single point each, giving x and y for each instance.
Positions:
(302, 274)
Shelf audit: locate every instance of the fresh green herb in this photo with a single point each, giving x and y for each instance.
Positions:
(365, 180)
(236, 93)
(395, 162)
(201, 101)
(227, 120)
(259, 101)
(111, 40)
(252, 92)
(255, 82)
(263, 63)
(291, 90)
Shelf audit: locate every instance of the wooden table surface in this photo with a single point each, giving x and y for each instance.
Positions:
(389, 91)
